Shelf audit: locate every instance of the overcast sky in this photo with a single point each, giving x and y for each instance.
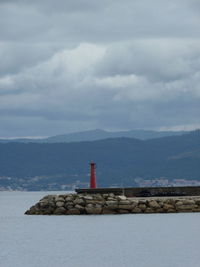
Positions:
(74, 65)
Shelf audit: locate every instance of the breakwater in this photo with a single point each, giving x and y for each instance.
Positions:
(77, 204)
(145, 191)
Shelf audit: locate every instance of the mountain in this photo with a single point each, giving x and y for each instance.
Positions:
(102, 134)
(97, 134)
(119, 160)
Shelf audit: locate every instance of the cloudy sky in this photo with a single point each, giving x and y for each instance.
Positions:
(74, 65)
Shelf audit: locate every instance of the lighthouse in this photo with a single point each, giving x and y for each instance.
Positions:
(93, 175)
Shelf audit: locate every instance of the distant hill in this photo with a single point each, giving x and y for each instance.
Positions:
(97, 134)
(119, 160)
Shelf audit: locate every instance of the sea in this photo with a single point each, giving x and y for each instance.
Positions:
(136, 240)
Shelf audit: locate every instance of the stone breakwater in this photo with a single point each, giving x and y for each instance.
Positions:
(76, 204)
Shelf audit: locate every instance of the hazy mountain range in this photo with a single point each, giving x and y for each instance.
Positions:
(119, 161)
(97, 134)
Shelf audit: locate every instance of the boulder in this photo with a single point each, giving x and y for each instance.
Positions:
(188, 202)
(124, 202)
(178, 204)
(44, 203)
(87, 197)
(89, 205)
(171, 211)
(60, 211)
(74, 204)
(134, 203)
(93, 210)
(153, 204)
(186, 207)
(167, 207)
(136, 210)
(149, 210)
(142, 207)
(121, 197)
(123, 211)
(60, 204)
(79, 207)
(79, 201)
(197, 202)
(108, 211)
(59, 199)
(111, 203)
(73, 212)
(125, 207)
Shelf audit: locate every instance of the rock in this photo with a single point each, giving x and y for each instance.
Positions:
(167, 207)
(122, 211)
(48, 211)
(170, 201)
(111, 203)
(89, 205)
(111, 199)
(44, 203)
(73, 212)
(121, 198)
(74, 204)
(142, 201)
(185, 207)
(60, 211)
(125, 207)
(124, 202)
(136, 210)
(134, 203)
(59, 199)
(149, 210)
(108, 211)
(113, 207)
(79, 201)
(178, 203)
(197, 202)
(98, 197)
(159, 210)
(196, 209)
(31, 211)
(153, 204)
(68, 199)
(171, 211)
(52, 204)
(70, 203)
(79, 207)
(100, 203)
(188, 202)
(98, 206)
(93, 210)
(59, 204)
(88, 197)
(69, 207)
(95, 201)
(161, 204)
(142, 207)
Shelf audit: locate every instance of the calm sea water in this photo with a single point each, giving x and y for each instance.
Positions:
(152, 240)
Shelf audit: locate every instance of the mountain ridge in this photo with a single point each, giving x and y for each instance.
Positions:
(97, 134)
(119, 160)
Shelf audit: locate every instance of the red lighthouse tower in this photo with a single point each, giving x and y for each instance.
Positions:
(93, 175)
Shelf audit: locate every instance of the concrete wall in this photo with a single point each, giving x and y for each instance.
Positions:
(146, 191)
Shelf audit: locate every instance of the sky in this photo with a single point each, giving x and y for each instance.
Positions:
(75, 65)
